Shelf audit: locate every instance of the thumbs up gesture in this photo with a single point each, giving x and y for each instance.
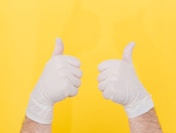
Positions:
(60, 79)
(119, 83)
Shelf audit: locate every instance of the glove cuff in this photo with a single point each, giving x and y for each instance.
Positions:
(139, 108)
(39, 112)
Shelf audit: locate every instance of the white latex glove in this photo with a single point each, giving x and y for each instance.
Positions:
(119, 83)
(60, 79)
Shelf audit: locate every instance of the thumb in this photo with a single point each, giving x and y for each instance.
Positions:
(127, 54)
(59, 47)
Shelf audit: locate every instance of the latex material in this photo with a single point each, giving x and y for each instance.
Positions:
(60, 79)
(119, 83)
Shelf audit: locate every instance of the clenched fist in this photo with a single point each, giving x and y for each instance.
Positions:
(118, 82)
(60, 79)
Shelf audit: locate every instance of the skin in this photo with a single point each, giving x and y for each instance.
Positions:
(146, 123)
(30, 126)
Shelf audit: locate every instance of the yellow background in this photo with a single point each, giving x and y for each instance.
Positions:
(93, 31)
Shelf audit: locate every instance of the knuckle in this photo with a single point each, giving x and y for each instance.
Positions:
(73, 92)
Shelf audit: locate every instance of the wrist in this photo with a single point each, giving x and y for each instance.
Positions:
(139, 108)
(39, 111)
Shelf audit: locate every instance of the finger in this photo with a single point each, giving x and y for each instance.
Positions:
(108, 93)
(127, 54)
(73, 91)
(74, 80)
(59, 47)
(104, 75)
(102, 85)
(73, 61)
(75, 71)
(108, 64)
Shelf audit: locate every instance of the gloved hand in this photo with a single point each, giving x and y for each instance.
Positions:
(60, 79)
(119, 83)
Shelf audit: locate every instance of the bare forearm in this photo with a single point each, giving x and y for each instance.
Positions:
(30, 126)
(146, 123)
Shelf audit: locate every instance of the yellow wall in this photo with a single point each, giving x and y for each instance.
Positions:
(92, 30)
